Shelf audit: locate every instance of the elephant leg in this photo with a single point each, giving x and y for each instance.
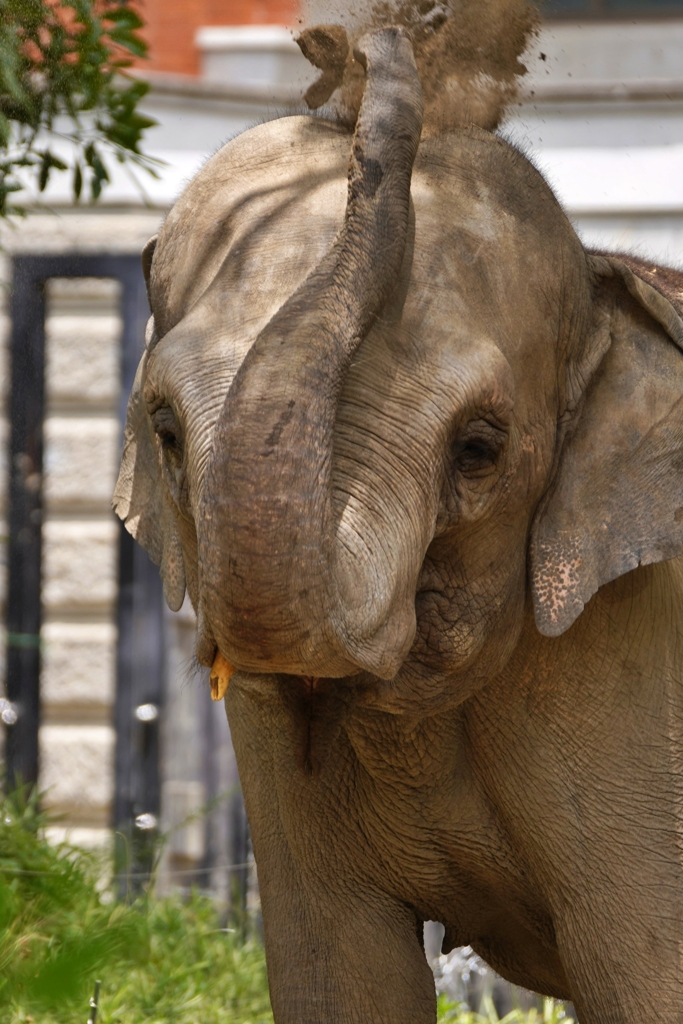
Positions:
(615, 978)
(339, 949)
(621, 941)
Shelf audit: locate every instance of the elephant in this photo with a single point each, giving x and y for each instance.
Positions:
(416, 455)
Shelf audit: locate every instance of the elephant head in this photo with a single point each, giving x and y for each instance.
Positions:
(386, 403)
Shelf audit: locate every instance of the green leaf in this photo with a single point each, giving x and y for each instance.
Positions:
(78, 181)
(70, 68)
(136, 91)
(138, 47)
(44, 173)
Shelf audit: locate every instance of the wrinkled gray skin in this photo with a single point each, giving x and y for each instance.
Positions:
(393, 435)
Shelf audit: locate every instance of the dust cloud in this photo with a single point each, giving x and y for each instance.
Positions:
(468, 54)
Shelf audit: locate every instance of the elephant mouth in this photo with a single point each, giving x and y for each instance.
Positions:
(222, 671)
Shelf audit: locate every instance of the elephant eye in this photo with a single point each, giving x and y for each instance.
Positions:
(477, 450)
(166, 428)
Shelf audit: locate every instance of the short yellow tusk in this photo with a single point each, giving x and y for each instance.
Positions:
(221, 671)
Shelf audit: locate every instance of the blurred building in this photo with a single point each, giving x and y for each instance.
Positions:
(601, 115)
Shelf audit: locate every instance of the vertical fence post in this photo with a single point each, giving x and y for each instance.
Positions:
(139, 699)
(140, 663)
(26, 413)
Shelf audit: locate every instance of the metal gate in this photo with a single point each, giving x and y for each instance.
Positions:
(140, 648)
(141, 644)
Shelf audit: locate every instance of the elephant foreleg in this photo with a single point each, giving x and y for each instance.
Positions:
(624, 963)
(339, 949)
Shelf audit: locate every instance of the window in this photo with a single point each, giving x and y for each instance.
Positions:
(612, 8)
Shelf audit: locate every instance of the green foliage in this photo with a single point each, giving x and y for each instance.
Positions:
(161, 960)
(450, 1013)
(62, 78)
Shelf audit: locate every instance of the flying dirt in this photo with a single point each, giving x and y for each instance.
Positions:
(468, 54)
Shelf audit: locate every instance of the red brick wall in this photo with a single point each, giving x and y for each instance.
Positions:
(171, 26)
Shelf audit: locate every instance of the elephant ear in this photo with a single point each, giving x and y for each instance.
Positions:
(141, 500)
(140, 497)
(617, 499)
(147, 258)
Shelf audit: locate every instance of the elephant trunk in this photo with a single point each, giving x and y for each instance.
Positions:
(270, 555)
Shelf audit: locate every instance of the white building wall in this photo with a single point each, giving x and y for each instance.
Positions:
(603, 118)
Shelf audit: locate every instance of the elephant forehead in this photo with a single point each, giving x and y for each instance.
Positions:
(255, 196)
(266, 209)
(472, 291)
(262, 212)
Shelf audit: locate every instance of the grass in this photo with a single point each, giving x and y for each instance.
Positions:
(161, 960)
(552, 1013)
